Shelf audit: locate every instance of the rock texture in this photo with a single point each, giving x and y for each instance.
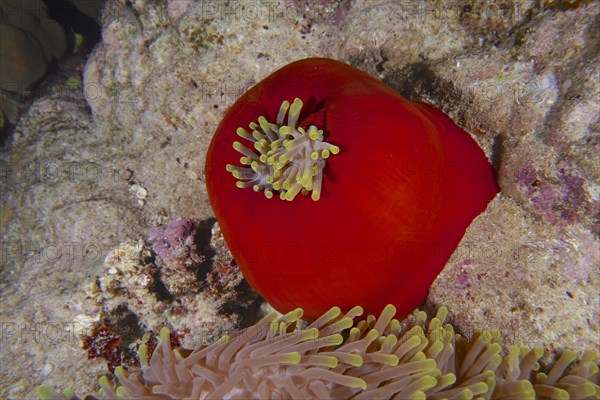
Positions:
(29, 40)
(91, 168)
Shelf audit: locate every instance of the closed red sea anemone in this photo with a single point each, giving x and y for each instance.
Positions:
(331, 189)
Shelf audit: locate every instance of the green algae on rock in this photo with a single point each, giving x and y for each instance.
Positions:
(336, 357)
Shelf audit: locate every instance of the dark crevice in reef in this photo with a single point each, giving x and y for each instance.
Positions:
(224, 282)
(248, 311)
(380, 66)
(418, 82)
(158, 287)
(74, 20)
(125, 323)
(497, 152)
(202, 242)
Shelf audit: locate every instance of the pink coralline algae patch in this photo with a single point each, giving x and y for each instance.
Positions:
(176, 243)
(462, 274)
(527, 177)
(573, 263)
(561, 200)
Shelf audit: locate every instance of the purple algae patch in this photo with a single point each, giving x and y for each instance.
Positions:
(561, 200)
(175, 242)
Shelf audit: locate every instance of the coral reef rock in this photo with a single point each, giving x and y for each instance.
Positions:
(520, 75)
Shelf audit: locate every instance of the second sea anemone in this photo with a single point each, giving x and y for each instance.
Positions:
(335, 357)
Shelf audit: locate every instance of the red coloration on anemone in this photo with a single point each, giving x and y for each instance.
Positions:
(359, 198)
